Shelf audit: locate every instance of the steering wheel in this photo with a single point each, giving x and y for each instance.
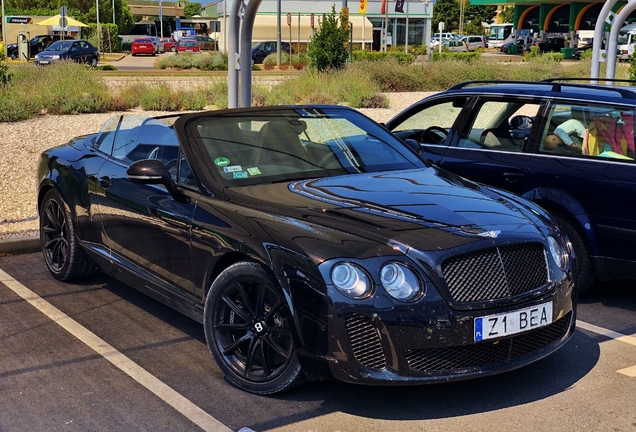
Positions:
(436, 134)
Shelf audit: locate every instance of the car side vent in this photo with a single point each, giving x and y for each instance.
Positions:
(365, 341)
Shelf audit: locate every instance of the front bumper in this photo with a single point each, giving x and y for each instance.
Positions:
(428, 342)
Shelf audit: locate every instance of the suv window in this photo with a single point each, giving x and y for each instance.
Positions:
(598, 131)
(493, 126)
(440, 115)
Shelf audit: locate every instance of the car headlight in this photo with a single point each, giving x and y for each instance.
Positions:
(55, 57)
(559, 255)
(351, 280)
(400, 282)
(37, 57)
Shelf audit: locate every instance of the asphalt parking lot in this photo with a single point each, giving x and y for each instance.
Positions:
(98, 355)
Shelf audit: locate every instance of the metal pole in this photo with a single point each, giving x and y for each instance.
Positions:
(351, 43)
(4, 31)
(364, 25)
(406, 45)
(246, 52)
(225, 26)
(161, 18)
(232, 64)
(598, 39)
(613, 40)
(298, 53)
(113, 11)
(278, 37)
(386, 26)
(99, 31)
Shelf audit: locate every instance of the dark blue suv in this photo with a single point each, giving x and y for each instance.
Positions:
(568, 146)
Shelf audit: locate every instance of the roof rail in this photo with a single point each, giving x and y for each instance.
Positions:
(556, 86)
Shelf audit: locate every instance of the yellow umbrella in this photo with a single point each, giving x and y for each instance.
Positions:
(55, 21)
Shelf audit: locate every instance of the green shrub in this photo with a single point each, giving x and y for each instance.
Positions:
(463, 56)
(189, 100)
(158, 98)
(106, 67)
(216, 94)
(271, 60)
(327, 48)
(16, 105)
(400, 56)
(586, 55)
(5, 76)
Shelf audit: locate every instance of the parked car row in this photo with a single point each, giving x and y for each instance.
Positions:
(153, 45)
(36, 45)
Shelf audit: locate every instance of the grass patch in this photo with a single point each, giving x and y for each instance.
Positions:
(69, 88)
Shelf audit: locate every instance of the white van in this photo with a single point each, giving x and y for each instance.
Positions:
(626, 41)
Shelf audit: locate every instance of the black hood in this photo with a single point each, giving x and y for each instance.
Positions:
(400, 209)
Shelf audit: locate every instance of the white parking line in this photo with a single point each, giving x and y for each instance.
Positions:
(605, 332)
(195, 414)
(630, 371)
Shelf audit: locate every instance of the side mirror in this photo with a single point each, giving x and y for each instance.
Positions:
(153, 171)
(521, 122)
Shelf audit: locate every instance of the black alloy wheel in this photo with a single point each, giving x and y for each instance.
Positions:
(248, 329)
(63, 255)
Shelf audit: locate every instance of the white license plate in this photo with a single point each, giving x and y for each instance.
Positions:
(44, 62)
(142, 46)
(509, 323)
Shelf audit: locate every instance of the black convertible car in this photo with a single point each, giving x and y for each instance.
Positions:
(311, 243)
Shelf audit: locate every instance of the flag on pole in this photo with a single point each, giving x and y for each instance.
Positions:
(363, 7)
(383, 8)
(610, 18)
(399, 6)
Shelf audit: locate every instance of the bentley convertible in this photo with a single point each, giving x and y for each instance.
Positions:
(310, 243)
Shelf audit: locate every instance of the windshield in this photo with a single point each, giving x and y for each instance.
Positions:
(296, 143)
(499, 33)
(60, 46)
(623, 38)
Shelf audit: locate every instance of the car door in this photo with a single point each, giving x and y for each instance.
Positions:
(593, 181)
(75, 53)
(432, 123)
(147, 228)
(491, 146)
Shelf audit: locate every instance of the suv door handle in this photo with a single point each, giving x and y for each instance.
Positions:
(513, 177)
(105, 182)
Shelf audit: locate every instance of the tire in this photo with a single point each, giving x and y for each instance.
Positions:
(585, 273)
(94, 62)
(173, 49)
(63, 255)
(249, 330)
(13, 55)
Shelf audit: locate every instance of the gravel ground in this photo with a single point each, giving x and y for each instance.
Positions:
(22, 142)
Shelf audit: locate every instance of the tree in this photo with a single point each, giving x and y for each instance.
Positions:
(507, 15)
(448, 12)
(191, 9)
(327, 49)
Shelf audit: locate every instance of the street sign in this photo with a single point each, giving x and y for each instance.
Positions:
(63, 11)
(289, 19)
(63, 22)
(311, 20)
(363, 7)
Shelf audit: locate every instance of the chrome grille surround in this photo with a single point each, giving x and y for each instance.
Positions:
(496, 273)
(365, 341)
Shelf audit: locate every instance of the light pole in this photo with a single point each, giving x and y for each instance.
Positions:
(160, 19)
(113, 11)
(278, 40)
(99, 32)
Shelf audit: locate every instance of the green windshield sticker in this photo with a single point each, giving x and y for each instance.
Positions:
(221, 161)
(241, 174)
(254, 171)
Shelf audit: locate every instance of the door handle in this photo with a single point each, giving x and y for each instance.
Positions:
(513, 177)
(105, 182)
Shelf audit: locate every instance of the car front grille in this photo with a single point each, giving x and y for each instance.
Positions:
(365, 341)
(487, 353)
(496, 273)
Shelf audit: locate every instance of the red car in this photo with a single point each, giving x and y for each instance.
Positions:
(169, 43)
(142, 46)
(189, 46)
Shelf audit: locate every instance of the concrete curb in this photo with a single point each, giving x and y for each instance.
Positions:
(20, 244)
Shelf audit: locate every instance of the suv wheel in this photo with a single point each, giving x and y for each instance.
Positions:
(585, 274)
